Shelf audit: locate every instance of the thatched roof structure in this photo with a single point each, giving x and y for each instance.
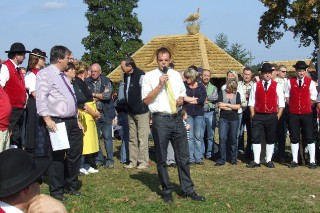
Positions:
(186, 50)
(289, 63)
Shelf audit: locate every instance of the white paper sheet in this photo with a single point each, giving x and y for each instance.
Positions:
(59, 139)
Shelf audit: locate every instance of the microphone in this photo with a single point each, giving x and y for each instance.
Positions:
(165, 70)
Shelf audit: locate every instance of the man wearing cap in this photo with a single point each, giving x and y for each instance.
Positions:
(301, 94)
(12, 81)
(266, 102)
(20, 187)
(56, 103)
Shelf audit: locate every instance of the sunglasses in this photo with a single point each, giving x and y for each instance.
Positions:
(284, 71)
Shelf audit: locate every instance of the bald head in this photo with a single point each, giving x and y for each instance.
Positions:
(95, 71)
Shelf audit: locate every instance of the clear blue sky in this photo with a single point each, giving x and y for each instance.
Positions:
(43, 24)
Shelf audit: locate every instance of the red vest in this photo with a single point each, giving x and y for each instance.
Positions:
(299, 102)
(5, 110)
(266, 101)
(15, 87)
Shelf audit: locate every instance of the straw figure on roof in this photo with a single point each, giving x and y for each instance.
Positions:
(192, 26)
(193, 17)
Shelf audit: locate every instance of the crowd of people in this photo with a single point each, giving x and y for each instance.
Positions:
(183, 110)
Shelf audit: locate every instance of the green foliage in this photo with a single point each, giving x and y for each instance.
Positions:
(236, 50)
(301, 17)
(114, 32)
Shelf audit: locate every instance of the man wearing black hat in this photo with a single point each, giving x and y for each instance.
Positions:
(12, 81)
(20, 187)
(266, 102)
(301, 94)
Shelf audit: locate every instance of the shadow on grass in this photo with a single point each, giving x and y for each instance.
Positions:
(151, 181)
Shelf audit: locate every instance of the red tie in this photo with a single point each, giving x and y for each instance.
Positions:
(2, 211)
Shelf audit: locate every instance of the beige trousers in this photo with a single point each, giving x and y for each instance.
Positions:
(4, 140)
(138, 138)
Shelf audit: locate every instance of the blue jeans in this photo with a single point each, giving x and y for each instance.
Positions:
(170, 154)
(228, 128)
(210, 126)
(104, 125)
(239, 127)
(124, 134)
(196, 138)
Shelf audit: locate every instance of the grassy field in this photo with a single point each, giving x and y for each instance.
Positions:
(227, 189)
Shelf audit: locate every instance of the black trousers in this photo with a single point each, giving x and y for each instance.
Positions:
(65, 165)
(246, 122)
(296, 122)
(165, 129)
(282, 133)
(264, 124)
(16, 123)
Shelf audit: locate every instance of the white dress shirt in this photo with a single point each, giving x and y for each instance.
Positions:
(312, 89)
(8, 208)
(279, 90)
(161, 102)
(4, 74)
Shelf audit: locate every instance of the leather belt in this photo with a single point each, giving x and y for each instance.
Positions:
(64, 119)
(210, 110)
(167, 115)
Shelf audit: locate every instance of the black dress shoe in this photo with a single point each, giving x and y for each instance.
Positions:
(234, 163)
(270, 165)
(253, 165)
(172, 165)
(60, 197)
(195, 197)
(293, 164)
(312, 166)
(200, 163)
(167, 198)
(72, 191)
(218, 164)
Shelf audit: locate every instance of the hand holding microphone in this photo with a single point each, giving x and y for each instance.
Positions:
(164, 78)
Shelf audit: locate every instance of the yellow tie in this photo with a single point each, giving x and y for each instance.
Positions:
(172, 100)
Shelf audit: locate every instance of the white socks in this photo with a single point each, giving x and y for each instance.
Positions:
(256, 152)
(269, 152)
(312, 151)
(295, 150)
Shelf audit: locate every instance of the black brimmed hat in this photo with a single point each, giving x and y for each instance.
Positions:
(39, 53)
(266, 67)
(300, 65)
(17, 48)
(18, 170)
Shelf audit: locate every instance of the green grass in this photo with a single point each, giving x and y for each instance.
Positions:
(227, 189)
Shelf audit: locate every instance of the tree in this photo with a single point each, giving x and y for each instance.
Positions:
(301, 17)
(114, 32)
(236, 50)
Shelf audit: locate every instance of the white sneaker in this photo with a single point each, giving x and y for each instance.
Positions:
(129, 166)
(141, 166)
(84, 171)
(92, 170)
